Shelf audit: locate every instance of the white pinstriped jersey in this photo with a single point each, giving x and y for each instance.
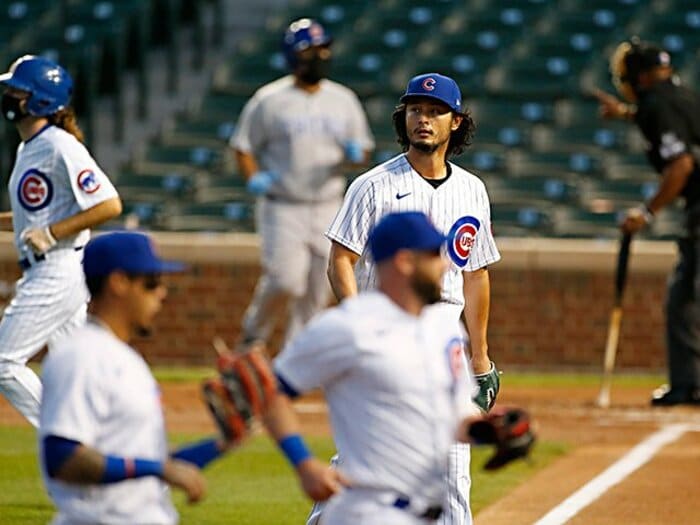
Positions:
(459, 207)
(54, 177)
(395, 384)
(100, 392)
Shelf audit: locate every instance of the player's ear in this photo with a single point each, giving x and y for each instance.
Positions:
(456, 121)
(405, 261)
(118, 283)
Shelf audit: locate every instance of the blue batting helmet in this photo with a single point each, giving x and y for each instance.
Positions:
(302, 34)
(49, 85)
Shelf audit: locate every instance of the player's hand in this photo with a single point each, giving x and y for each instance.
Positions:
(185, 476)
(354, 152)
(634, 221)
(39, 240)
(610, 105)
(260, 182)
(319, 480)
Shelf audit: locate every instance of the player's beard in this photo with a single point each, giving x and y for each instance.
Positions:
(144, 331)
(314, 70)
(427, 147)
(426, 288)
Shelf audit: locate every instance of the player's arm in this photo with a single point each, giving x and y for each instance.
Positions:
(73, 462)
(341, 271)
(90, 218)
(246, 162)
(477, 297)
(318, 481)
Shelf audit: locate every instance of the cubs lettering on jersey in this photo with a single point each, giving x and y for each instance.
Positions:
(460, 207)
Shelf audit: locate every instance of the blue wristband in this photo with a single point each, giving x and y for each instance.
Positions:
(295, 449)
(118, 469)
(200, 454)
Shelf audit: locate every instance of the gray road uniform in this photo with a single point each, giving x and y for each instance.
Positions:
(300, 137)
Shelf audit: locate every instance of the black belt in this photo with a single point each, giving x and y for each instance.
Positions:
(25, 263)
(431, 513)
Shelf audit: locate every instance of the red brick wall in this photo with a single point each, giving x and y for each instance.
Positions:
(549, 307)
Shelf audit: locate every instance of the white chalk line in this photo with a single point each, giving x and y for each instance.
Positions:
(614, 474)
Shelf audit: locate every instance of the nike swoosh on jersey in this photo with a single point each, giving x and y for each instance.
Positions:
(399, 196)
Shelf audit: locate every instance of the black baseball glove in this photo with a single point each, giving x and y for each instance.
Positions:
(509, 429)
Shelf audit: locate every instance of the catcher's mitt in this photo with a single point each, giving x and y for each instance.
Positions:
(242, 391)
(489, 384)
(509, 429)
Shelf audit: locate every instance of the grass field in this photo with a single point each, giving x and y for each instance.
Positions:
(254, 485)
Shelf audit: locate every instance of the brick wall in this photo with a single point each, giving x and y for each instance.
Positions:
(550, 301)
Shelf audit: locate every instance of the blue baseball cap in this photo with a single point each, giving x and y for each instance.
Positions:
(129, 252)
(411, 230)
(437, 86)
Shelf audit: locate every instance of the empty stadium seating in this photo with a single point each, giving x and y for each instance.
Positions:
(526, 68)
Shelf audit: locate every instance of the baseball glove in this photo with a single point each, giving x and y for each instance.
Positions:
(510, 430)
(489, 384)
(242, 392)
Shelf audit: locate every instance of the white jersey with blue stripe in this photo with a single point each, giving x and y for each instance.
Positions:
(54, 177)
(459, 207)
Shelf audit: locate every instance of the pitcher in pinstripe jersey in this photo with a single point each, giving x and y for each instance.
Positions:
(57, 193)
(431, 126)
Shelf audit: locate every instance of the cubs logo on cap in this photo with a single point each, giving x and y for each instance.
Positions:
(87, 181)
(437, 86)
(461, 239)
(34, 190)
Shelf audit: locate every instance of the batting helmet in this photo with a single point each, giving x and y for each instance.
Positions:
(630, 59)
(302, 34)
(48, 84)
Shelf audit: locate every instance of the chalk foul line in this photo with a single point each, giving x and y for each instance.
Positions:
(613, 475)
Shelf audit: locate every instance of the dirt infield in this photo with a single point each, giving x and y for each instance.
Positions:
(660, 491)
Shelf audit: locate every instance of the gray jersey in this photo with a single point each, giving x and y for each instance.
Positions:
(459, 207)
(301, 136)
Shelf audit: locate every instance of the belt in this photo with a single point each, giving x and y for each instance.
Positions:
(25, 263)
(431, 513)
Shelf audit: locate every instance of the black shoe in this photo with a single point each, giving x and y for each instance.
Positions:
(668, 396)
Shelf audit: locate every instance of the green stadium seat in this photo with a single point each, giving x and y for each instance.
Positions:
(583, 138)
(515, 135)
(198, 132)
(153, 188)
(216, 217)
(573, 222)
(218, 189)
(616, 194)
(510, 112)
(484, 159)
(554, 164)
(531, 191)
(521, 221)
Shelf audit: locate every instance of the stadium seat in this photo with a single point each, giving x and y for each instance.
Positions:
(521, 221)
(574, 222)
(531, 191)
(225, 216)
(218, 189)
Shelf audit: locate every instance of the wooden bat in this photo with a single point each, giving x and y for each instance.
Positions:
(603, 400)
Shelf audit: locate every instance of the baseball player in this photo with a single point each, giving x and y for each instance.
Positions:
(668, 115)
(292, 139)
(389, 363)
(102, 433)
(57, 194)
(431, 126)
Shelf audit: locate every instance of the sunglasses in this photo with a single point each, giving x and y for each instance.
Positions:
(150, 281)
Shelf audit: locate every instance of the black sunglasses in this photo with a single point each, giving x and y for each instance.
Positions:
(151, 281)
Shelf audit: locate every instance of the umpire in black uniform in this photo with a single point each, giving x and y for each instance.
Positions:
(668, 115)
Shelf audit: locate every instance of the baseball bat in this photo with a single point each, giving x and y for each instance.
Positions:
(603, 400)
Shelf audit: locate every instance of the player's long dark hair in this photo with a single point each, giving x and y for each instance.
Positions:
(460, 138)
(67, 120)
